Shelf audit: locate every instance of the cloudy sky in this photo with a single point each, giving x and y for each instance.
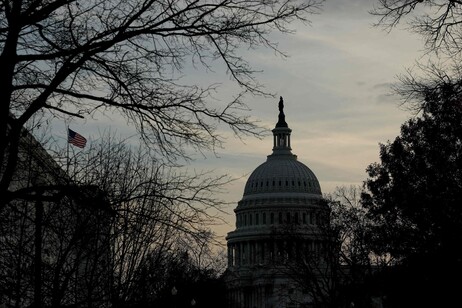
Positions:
(335, 84)
(336, 88)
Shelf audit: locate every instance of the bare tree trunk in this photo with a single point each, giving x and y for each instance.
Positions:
(38, 255)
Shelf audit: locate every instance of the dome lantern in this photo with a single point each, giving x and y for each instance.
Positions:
(281, 133)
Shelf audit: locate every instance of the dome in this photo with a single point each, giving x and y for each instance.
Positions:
(282, 173)
(280, 221)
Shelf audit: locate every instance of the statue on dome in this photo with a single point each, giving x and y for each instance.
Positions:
(282, 117)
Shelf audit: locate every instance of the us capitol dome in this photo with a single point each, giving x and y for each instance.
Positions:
(278, 223)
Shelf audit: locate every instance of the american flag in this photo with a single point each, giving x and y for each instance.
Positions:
(76, 139)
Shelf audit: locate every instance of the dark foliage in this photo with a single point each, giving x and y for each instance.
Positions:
(415, 200)
(177, 282)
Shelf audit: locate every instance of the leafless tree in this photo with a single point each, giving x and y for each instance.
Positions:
(163, 271)
(440, 25)
(69, 58)
(74, 58)
(438, 21)
(158, 209)
(341, 258)
(87, 246)
(55, 252)
(352, 224)
(42, 235)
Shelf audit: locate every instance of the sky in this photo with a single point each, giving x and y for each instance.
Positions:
(337, 96)
(336, 89)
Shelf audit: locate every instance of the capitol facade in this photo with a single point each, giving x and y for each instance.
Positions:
(278, 232)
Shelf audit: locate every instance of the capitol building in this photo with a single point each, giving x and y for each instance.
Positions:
(279, 233)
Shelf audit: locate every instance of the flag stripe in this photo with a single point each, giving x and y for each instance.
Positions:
(76, 139)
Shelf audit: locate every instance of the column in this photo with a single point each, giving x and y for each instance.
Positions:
(239, 254)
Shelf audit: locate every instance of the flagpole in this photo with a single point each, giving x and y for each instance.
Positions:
(67, 149)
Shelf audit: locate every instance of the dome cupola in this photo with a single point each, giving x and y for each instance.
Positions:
(282, 172)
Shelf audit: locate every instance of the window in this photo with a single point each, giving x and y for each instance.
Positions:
(304, 218)
(264, 218)
(280, 218)
(288, 218)
(257, 219)
(272, 218)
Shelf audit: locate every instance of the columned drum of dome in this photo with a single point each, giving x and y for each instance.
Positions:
(281, 194)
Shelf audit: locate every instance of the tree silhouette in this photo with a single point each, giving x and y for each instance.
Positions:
(415, 195)
(74, 58)
(438, 22)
